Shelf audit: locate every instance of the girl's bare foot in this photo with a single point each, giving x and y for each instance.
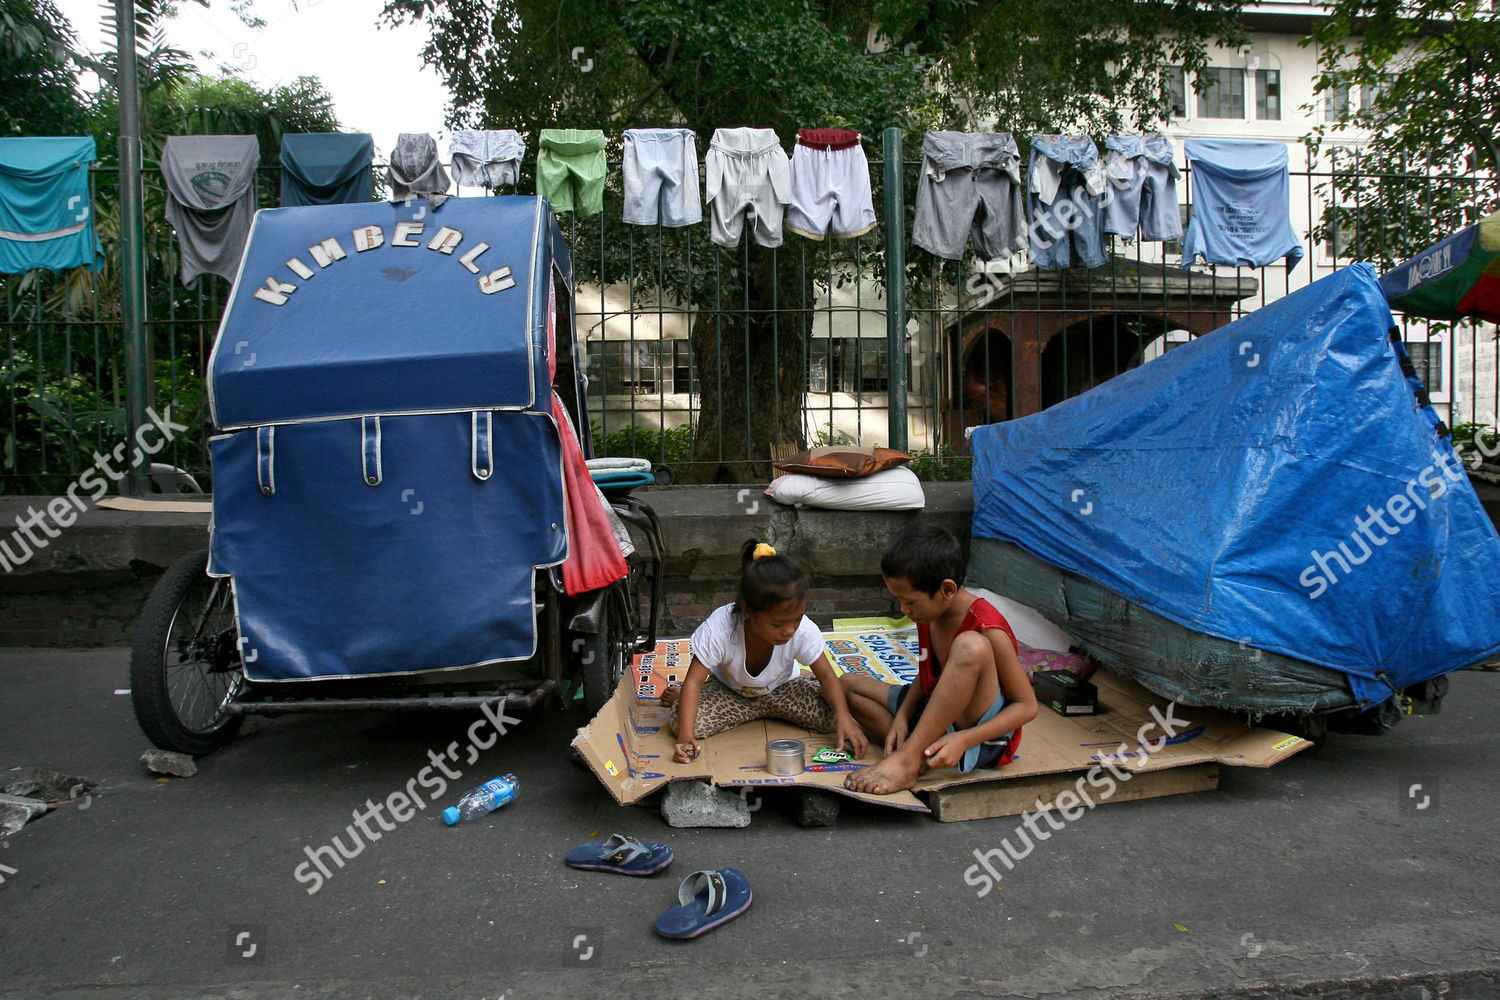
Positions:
(670, 695)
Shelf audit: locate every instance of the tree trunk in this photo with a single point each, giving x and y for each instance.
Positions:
(749, 353)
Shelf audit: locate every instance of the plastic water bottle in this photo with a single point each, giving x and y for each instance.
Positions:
(486, 798)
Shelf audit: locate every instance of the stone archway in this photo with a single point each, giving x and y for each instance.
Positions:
(1095, 350)
(994, 345)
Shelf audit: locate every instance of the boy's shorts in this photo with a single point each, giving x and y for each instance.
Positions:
(830, 185)
(1144, 177)
(487, 157)
(990, 753)
(661, 177)
(748, 174)
(570, 170)
(970, 186)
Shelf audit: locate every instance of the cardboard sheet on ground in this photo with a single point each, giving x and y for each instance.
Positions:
(173, 505)
(629, 746)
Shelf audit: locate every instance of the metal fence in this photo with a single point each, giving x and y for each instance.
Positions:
(714, 360)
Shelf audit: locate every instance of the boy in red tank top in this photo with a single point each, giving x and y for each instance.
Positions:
(972, 695)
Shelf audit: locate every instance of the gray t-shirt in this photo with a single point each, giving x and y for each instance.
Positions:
(210, 199)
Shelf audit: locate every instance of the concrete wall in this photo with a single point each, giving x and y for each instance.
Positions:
(87, 587)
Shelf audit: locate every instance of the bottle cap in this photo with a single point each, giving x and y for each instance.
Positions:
(451, 816)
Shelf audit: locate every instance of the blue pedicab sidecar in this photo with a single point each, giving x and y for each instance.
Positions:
(402, 514)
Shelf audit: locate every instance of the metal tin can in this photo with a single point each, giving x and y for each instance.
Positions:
(786, 757)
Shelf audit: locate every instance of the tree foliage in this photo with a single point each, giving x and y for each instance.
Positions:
(1039, 66)
(1421, 78)
(36, 76)
(67, 388)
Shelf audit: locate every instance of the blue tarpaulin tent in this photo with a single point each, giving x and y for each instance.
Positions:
(1277, 492)
(391, 473)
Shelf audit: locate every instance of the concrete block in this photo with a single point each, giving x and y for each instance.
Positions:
(697, 803)
(167, 762)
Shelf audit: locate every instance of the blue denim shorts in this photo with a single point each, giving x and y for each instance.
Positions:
(983, 755)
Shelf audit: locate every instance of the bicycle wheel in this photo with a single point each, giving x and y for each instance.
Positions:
(184, 665)
(601, 655)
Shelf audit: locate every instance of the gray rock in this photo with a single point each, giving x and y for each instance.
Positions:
(697, 803)
(169, 762)
(817, 808)
(18, 810)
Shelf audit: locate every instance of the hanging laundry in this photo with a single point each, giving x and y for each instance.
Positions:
(570, 170)
(1143, 186)
(1064, 186)
(1242, 211)
(326, 168)
(210, 200)
(970, 186)
(416, 171)
(661, 177)
(487, 158)
(46, 217)
(748, 174)
(830, 185)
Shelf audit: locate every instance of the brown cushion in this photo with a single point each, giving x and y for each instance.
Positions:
(843, 461)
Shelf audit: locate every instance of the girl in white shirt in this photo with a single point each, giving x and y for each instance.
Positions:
(745, 658)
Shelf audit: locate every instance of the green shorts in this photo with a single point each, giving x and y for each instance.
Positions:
(570, 170)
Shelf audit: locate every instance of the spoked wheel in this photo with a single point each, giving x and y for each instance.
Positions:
(184, 667)
(601, 655)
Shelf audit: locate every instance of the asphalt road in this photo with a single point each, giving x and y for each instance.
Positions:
(1320, 877)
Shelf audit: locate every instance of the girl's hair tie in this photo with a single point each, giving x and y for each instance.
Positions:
(762, 551)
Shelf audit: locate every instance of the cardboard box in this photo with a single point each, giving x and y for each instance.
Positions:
(629, 746)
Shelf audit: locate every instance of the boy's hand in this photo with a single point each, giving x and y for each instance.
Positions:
(946, 751)
(900, 730)
(686, 753)
(849, 734)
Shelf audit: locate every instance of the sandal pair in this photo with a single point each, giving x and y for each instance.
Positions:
(705, 899)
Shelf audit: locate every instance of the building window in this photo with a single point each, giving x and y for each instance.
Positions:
(847, 364)
(619, 367)
(1176, 92)
(1268, 94)
(1221, 92)
(1427, 359)
(1336, 102)
(1343, 235)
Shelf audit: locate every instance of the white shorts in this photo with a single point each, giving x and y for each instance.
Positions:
(748, 174)
(830, 185)
(661, 177)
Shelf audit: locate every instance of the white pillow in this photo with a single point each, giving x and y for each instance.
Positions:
(1029, 625)
(893, 489)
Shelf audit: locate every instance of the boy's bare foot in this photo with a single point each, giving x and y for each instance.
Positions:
(670, 695)
(896, 772)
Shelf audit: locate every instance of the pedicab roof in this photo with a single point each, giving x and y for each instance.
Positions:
(378, 308)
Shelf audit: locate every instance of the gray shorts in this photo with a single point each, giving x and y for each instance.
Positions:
(1143, 188)
(661, 177)
(487, 157)
(748, 174)
(970, 187)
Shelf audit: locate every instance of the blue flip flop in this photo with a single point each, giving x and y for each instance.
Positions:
(708, 899)
(621, 854)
